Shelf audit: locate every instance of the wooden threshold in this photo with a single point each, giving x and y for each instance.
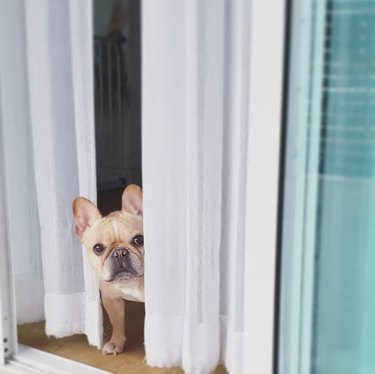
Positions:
(77, 348)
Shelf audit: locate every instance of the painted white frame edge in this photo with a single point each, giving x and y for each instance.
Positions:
(265, 121)
(25, 362)
(8, 337)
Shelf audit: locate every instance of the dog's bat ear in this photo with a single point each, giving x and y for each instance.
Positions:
(85, 214)
(132, 200)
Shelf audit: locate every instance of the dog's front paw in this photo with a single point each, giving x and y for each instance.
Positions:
(112, 348)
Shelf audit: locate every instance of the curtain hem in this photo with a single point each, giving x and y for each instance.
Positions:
(64, 314)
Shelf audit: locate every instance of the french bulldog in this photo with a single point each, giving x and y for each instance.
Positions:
(115, 249)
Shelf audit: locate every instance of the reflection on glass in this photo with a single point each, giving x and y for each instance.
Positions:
(327, 317)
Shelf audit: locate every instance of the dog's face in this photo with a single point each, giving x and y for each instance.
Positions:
(114, 243)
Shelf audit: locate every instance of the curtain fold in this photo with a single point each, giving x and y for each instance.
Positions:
(195, 128)
(19, 180)
(59, 66)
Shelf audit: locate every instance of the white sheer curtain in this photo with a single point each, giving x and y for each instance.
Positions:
(58, 40)
(195, 127)
(20, 184)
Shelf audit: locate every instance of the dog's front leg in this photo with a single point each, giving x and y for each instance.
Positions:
(116, 313)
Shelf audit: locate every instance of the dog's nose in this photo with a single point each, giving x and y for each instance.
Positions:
(120, 252)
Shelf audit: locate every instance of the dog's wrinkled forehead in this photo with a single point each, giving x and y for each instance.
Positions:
(117, 227)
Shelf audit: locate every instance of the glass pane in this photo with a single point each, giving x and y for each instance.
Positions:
(327, 311)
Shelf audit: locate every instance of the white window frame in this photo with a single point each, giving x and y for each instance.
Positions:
(266, 80)
(268, 27)
(7, 310)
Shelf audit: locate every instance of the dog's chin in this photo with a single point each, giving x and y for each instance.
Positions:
(122, 276)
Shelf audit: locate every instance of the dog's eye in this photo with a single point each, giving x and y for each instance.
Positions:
(99, 249)
(138, 240)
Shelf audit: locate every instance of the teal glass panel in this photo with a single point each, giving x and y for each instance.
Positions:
(327, 308)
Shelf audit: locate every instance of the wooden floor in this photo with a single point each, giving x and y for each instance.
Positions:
(76, 347)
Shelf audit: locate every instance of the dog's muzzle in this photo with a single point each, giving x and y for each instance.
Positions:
(123, 264)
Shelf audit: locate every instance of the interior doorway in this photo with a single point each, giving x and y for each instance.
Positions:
(117, 85)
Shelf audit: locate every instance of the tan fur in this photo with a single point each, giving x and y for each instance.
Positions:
(103, 231)
(115, 232)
